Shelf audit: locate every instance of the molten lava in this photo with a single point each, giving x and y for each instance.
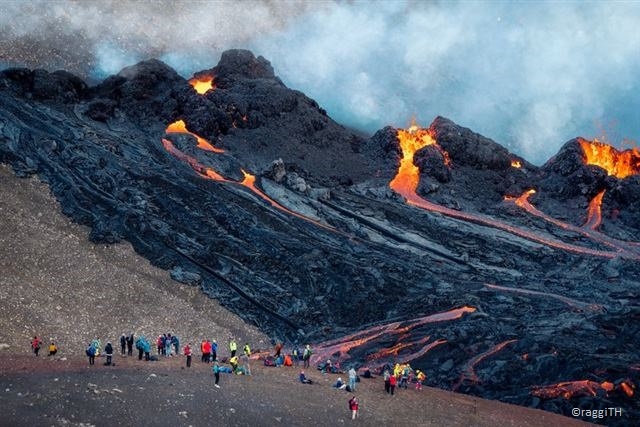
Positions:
(195, 165)
(571, 389)
(516, 164)
(203, 84)
(594, 215)
(408, 176)
(180, 126)
(620, 164)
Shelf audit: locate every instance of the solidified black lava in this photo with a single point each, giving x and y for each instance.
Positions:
(374, 259)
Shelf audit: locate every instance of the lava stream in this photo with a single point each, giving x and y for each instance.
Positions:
(571, 302)
(571, 389)
(620, 164)
(594, 212)
(195, 165)
(202, 84)
(625, 249)
(341, 347)
(406, 181)
(179, 126)
(469, 368)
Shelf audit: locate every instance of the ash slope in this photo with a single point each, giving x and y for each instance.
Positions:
(356, 254)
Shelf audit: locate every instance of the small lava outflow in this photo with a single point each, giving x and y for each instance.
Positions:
(203, 84)
(620, 164)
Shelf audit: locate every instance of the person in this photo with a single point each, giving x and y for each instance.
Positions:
(187, 352)
(247, 349)
(176, 344)
(206, 352)
(392, 384)
(296, 356)
(168, 340)
(234, 363)
(96, 343)
(306, 356)
(108, 351)
(287, 360)
(35, 345)
(52, 349)
(353, 406)
(216, 373)
(340, 385)
(130, 345)
(278, 349)
(328, 366)
(304, 379)
(143, 346)
(123, 344)
(404, 378)
(214, 350)
(233, 347)
(387, 381)
(91, 353)
(420, 377)
(352, 379)
(245, 363)
(160, 345)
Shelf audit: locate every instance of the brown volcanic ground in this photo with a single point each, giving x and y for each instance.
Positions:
(58, 285)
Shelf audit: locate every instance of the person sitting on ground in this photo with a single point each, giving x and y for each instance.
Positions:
(340, 385)
(279, 361)
(287, 360)
(52, 349)
(304, 379)
(234, 363)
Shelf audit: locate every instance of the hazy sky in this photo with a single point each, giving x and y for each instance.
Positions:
(529, 75)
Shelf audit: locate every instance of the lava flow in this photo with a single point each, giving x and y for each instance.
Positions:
(516, 164)
(469, 373)
(571, 302)
(203, 84)
(571, 389)
(620, 164)
(406, 182)
(341, 347)
(179, 126)
(594, 212)
(195, 165)
(625, 249)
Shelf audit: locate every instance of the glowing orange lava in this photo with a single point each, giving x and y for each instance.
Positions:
(408, 176)
(180, 126)
(594, 215)
(570, 389)
(202, 84)
(620, 164)
(516, 164)
(195, 165)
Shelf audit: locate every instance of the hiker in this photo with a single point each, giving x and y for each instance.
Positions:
(91, 353)
(234, 363)
(387, 381)
(245, 363)
(216, 373)
(108, 351)
(233, 347)
(287, 360)
(404, 378)
(420, 377)
(35, 344)
(52, 349)
(187, 352)
(278, 349)
(353, 406)
(352, 379)
(304, 379)
(214, 350)
(306, 355)
(130, 345)
(206, 351)
(168, 341)
(123, 344)
(340, 385)
(96, 343)
(143, 346)
(296, 356)
(160, 345)
(175, 341)
(247, 350)
(392, 384)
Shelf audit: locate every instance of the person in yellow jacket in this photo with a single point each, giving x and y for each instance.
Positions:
(420, 377)
(247, 349)
(233, 347)
(234, 363)
(52, 349)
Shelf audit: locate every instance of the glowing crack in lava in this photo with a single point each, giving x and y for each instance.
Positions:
(179, 126)
(620, 164)
(406, 182)
(582, 306)
(340, 348)
(594, 212)
(202, 84)
(195, 165)
(469, 374)
(624, 249)
(571, 389)
(516, 164)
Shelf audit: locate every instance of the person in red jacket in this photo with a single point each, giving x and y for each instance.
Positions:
(187, 352)
(36, 343)
(392, 383)
(206, 351)
(353, 405)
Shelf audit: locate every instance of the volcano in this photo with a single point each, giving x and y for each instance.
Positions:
(431, 245)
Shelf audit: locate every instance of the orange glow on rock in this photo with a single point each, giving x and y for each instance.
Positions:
(202, 84)
(570, 389)
(594, 214)
(179, 126)
(628, 389)
(516, 164)
(620, 164)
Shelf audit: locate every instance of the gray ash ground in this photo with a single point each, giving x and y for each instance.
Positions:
(376, 259)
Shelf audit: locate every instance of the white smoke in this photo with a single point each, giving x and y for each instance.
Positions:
(529, 75)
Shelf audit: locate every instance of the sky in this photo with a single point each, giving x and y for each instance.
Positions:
(529, 75)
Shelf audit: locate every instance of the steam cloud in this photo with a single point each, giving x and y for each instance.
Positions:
(529, 75)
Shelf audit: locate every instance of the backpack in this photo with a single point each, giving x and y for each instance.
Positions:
(91, 351)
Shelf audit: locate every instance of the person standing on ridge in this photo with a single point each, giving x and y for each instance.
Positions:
(233, 347)
(108, 351)
(247, 349)
(123, 344)
(353, 406)
(214, 351)
(130, 345)
(187, 352)
(216, 374)
(36, 343)
(278, 349)
(352, 379)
